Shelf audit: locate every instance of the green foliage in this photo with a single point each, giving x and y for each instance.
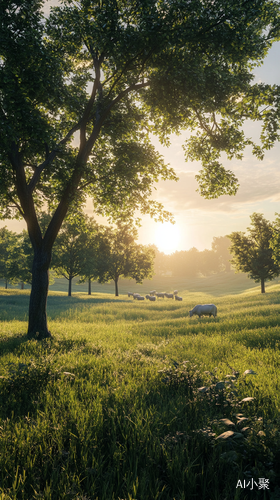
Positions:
(71, 247)
(275, 240)
(252, 254)
(221, 245)
(12, 256)
(120, 256)
(159, 67)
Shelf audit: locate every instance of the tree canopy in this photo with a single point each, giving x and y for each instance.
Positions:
(81, 92)
(120, 256)
(252, 253)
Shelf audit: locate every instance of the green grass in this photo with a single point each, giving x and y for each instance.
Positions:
(109, 408)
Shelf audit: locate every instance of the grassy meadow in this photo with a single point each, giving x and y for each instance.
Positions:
(137, 401)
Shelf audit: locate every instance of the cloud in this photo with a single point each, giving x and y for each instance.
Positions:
(259, 182)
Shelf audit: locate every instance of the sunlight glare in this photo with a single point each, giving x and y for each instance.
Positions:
(167, 237)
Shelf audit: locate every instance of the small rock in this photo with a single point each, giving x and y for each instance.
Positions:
(225, 435)
(227, 422)
(241, 420)
(202, 389)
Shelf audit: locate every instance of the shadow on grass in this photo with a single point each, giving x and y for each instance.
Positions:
(15, 307)
(21, 345)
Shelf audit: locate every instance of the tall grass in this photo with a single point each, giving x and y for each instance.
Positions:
(128, 399)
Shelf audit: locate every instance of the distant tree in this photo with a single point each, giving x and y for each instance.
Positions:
(11, 256)
(70, 249)
(221, 245)
(161, 261)
(120, 256)
(252, 253)
(275, 240)
(92, 253)
(184, 263)
(208, 262)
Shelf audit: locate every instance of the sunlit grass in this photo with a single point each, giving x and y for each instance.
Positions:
(106, 408)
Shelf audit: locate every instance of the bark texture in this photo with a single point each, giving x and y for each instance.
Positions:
(70, 286)
(38, 327)
(262, 286)
(116, 287)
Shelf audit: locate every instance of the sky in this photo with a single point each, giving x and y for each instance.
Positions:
(197, 220)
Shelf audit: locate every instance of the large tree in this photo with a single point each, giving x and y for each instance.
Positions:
(252, 253)
(108, 74)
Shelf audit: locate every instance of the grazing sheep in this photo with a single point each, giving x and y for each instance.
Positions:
(139, 297)
(169, 295)
(151, 298)
(203, 310)
(160, 294)
(178, 298)
(153, 292)
(130, 294)
(175, 292)
(135, 295)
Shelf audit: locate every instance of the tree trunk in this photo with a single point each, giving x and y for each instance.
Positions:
(38, 327)
(89, 286)
(70, 286)
(262, 285)
(116, 287)
(6, 284)
(22, 285)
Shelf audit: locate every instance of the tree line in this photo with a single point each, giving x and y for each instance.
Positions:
(83, 248)
(192, 263)
(103, 253)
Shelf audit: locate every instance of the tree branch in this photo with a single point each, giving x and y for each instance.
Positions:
(85, 117)
(36, 176)
(99, 123)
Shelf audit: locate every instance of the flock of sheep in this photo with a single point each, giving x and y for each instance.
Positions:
(199, 310)
(154, 294)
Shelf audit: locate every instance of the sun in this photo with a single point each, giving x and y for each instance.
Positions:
(167, 237)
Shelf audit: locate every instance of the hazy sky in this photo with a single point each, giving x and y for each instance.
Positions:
(199, 220)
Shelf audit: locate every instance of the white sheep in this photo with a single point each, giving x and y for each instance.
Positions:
(153, 292)
(140, 297)
(135, 295)
(175, 292)
(130, 294)
(204, 310)
(160, 294)
(178, 298)
(169, 295)
(151, 298)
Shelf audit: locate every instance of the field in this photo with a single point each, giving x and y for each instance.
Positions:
(131, 400)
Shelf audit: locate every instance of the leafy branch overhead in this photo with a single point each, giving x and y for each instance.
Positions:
(150, 67)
